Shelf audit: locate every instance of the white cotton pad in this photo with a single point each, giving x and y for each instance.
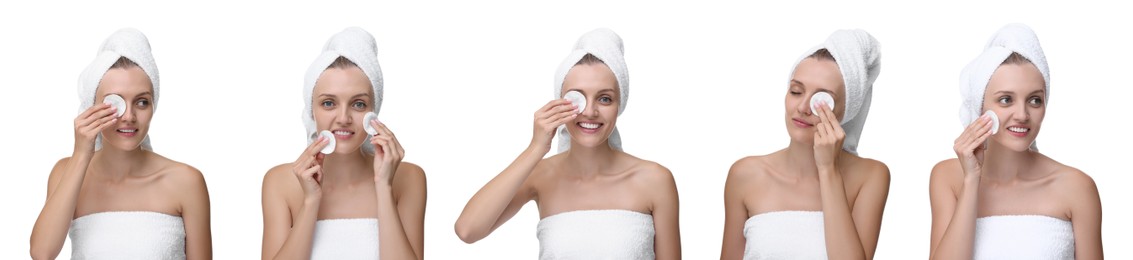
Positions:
(821, 96)
(370, 116)
(994, 121)
(330, 137)
(117, 102)
(577, 99)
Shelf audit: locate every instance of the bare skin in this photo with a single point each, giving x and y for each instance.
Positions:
(812, 174)
(589, 176)
(1007, 178)
(121, 176)
(347, 183)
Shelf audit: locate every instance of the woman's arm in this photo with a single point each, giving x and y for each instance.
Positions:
(666, 216)
(54, 220)
(63, 184)
(735, 213)
(954, 213)
(498, 200)
(846, 236)
(403, 205)
(870, 207)
(400, 191)
(195, 213)
(1085, 215)
(286, 237)
(505, 194)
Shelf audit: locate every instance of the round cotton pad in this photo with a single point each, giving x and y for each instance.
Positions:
(330, 146)
(116, 102)
(994, 121)
(821, 96)
(370, 116)
(577, 99)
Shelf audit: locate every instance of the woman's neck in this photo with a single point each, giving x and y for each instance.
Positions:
(116, 164)
(1001, 164)
(800, 159)
(345, 169)
(590, 161)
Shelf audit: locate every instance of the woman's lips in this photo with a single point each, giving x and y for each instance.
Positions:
(127, 132)
(343, 134)
(589, 127)
(801, 123)
(1018, 131)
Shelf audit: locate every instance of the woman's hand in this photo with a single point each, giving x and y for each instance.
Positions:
(970, 148)
(828, 138)
(548, 119)
(309, 170)
(387, 153)
(91, 122)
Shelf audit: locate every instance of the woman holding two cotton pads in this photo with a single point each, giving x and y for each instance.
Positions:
(816, 198)
(348, 195)
(115, 196)
(1001, 198)
(595, 201)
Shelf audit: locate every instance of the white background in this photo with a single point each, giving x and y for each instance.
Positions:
(463, 79)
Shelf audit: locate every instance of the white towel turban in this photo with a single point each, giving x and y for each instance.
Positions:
(1012, 38)
(131, 44)
(359, 47)
(606, 46)
(859, 58)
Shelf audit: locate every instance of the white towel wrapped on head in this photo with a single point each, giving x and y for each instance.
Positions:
(606, 46)
(130, 44)
(858, 56)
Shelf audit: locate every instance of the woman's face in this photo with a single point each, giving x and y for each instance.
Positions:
(135, 87)
(812, 76)
(341, 97)
(598, 83)
(1017, 94)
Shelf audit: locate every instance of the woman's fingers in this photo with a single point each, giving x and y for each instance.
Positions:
(314, 148)
(104, 123)
(553, 103)
(562, 118)
(93, 110)
(832, 121)
(395, 145)
(552, 108)
(95, 116)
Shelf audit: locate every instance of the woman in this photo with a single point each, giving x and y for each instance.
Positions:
(595, 201)
(114, 195)
(341, 204)
(1001, 198)
(817, 198)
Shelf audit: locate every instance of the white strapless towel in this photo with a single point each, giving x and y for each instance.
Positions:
(785, 235)
(596, 234)
(351, 238)
(1023, 237)
(127, 235)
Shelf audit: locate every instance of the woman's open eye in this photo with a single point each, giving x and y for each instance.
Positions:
(328, 104)
(1035, 101)
(359, 104)
(1004, 100)
(142, 103)
(605, 100)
